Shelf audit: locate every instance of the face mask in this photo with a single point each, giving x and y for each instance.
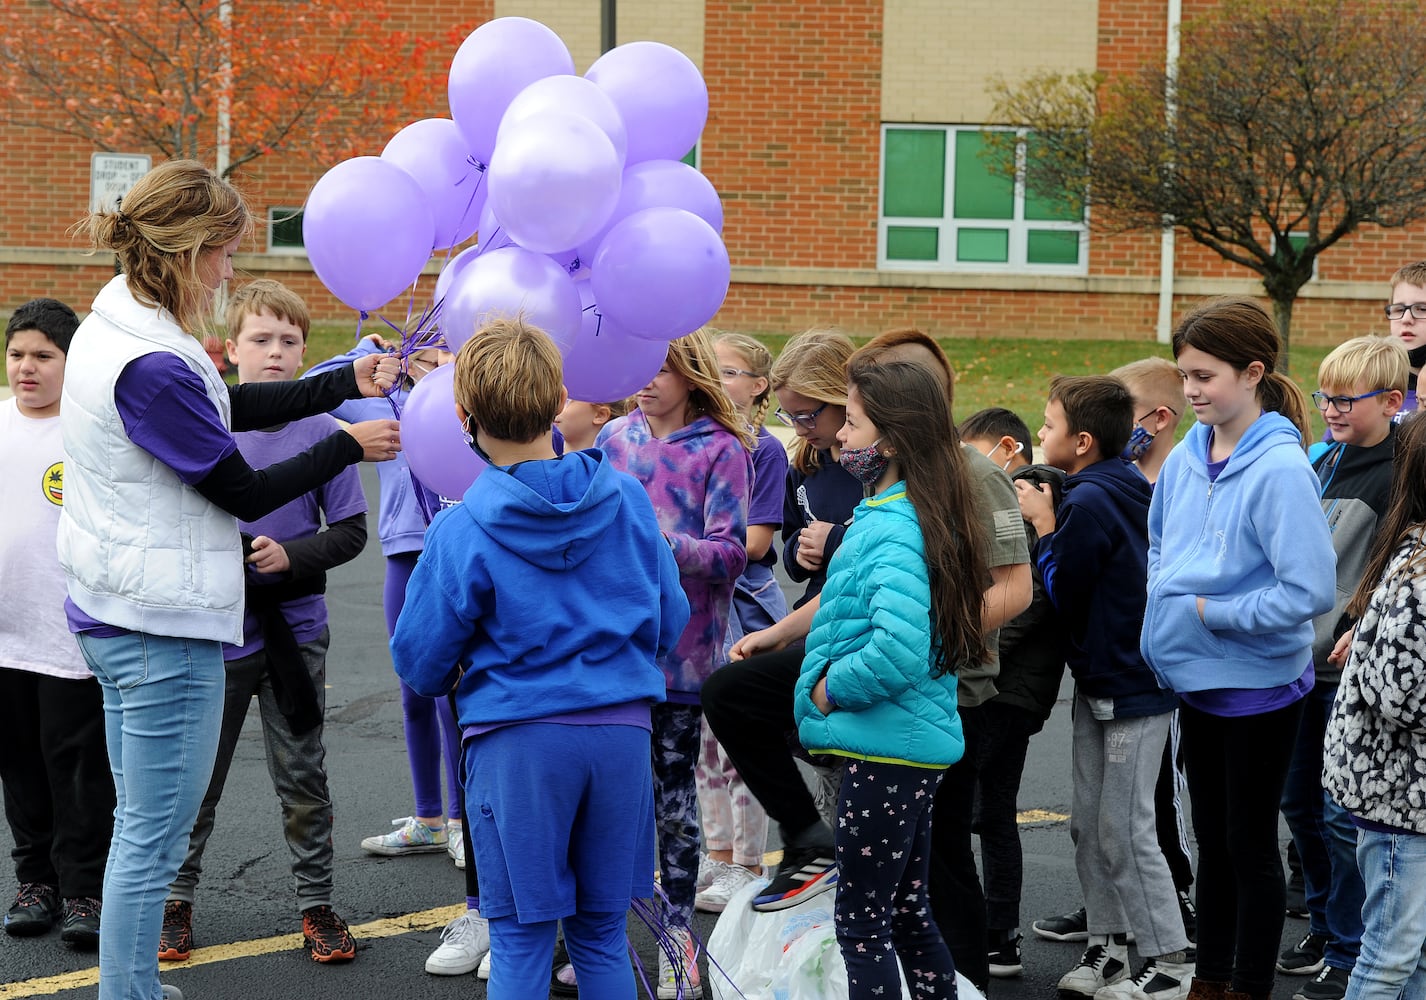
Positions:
(866, 464)
(1019, 447)
(1138, 446)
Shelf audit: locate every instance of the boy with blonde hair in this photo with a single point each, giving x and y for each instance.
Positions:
(510, 606)
(283, 658)
(1406, 314)
(1362, 385)
(1157, 388)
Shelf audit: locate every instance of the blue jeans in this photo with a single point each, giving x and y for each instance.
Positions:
(1392, 963)
(1325, 837)
(163, 704)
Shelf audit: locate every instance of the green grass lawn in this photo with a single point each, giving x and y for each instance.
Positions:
(1013, 373)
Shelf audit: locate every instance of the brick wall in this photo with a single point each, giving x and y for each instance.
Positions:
(793, 144)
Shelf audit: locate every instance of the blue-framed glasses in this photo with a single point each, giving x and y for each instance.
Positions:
(1342, 403)
(808, 420)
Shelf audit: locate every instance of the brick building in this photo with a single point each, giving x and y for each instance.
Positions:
(843, 138)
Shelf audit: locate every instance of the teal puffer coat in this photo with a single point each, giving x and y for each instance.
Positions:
(871, 637)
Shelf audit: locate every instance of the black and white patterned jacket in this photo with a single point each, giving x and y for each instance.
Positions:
(1374, 763)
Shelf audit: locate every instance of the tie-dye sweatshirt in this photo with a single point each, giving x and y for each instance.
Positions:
(699, 478)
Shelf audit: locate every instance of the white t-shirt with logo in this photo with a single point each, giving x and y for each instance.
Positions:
(34, 634)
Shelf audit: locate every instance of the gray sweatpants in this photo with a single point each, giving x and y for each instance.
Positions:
(297, 765)
(1122, 871)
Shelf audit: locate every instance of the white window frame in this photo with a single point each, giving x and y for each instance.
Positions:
(1018, 227)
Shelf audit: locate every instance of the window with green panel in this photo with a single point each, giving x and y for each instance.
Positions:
(284, 230)
(950, 201)
(1052, 246)
(915, 186)
(981, 192)
(912, 243)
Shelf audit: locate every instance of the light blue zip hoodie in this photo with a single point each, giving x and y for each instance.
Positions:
(1255, 545)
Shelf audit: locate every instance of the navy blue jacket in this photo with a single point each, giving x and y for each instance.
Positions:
(1095, 568)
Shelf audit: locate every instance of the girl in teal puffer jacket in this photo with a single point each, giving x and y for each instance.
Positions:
(900, 612)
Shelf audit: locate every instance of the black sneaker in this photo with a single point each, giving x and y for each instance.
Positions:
(1005, 954)
(804, 873)
(80, 927)
(1304, 958)
(1070, 927)
(34, 911)
(1190, 915)
(1329, 984)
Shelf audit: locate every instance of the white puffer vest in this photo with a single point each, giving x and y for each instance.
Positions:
(141, 550)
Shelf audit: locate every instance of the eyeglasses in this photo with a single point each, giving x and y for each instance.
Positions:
(1342, 403)
(731, 373)
(1397, 310)
(808, 420)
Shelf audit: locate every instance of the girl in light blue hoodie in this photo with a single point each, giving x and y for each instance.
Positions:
(1240, 562)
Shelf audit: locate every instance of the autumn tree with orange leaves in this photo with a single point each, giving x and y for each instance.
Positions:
(325, 79)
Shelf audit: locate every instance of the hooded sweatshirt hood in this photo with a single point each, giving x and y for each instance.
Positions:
(551, 513)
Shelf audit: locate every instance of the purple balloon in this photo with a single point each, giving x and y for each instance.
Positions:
(433, 151)
(554, 180)
(511, 282)
(498, 60)
(368, 230)
(448, 275)
(606, 363)
(432, 438)
(660, 95)
(660, 184)
(493, 235)
(661, 273)
(572, 94)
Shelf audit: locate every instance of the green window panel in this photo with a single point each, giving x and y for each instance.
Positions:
(1040, 207)
(915, 184)
(984, 246)
(981, 193)
(691, 157)
(286, 228)
(912, 243)
(1052, 246)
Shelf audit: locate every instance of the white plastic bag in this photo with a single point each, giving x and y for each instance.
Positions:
(789, 954)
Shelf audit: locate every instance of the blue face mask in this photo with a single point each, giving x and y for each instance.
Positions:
(1138, 446)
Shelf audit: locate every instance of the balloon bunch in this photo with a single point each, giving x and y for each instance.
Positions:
(589, 224)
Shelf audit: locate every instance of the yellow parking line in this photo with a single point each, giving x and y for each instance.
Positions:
(425, 920)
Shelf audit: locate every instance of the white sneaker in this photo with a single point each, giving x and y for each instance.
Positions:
(464, 942)
(484, 971)
(714, 899)
(1104, 962)
(411, 836)
(709, 869)
(455, 843)
(1159, 979)
(679, 978)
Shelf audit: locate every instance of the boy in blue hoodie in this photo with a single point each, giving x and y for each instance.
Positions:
(545, 600)
(1093, 556)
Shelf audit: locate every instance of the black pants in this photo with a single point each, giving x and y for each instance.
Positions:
(748, 705)
(1236, 771)
(59, 791)
(1168, 812)
(1002, 765)
(957, 900)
